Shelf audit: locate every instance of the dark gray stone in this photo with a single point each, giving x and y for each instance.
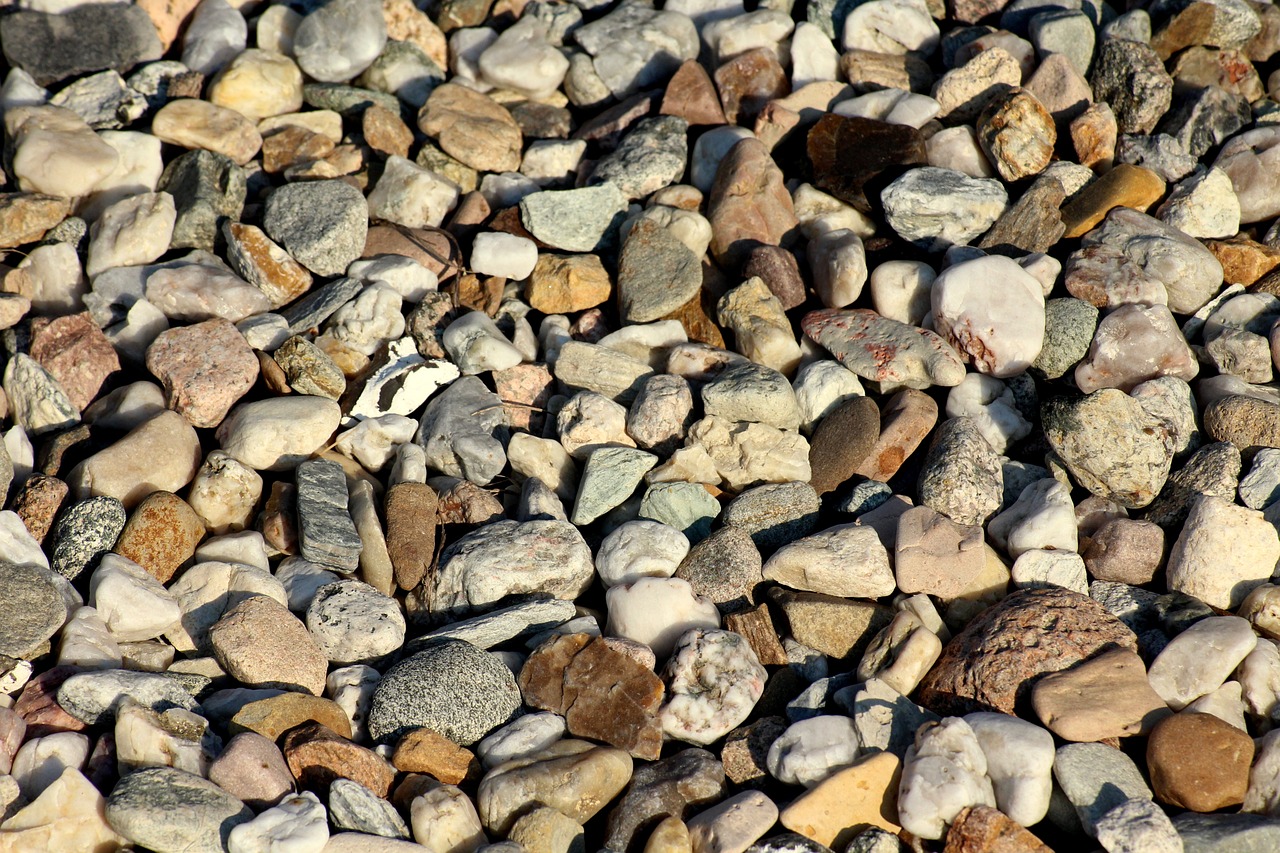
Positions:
(464, 431)
(815, 699)
(326, 534)
(450, 687)
(726, 568)
(1227, 833)
(652, 155)
(1212, 470)
(207, 189)
(865, 497)
(1205, 118)
(33, 609)
(348, 100)
(323, 224)
(673, 786)
(320, 304)
(354, 808)
(84, 532)
(539, 502)
(1159, 152)
(1130, 77)
(93, 37)
(161, 808)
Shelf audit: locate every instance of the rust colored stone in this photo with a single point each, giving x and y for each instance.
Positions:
(161, 534)
(38, 704)
(1199, 762)
(695, 315)
(983, 829)
(995, 661)
(38, 502)
(905, 423)
(25, 217)
(411, 510)
(385, 132)
(1244, 261)
(426, 751)
(292, 146)
(275, 715)
(692, 96)
(76, 352)
(847, 152)
(525, 390)
(602, 694)
(279, 520)
(317, 755)
(748, 82)
(466, 503)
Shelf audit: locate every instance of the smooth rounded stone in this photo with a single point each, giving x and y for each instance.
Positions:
(1198, 660)
(1260, 487)
(41, 760)
(161, 535)
(811, 750)
(1222, 553)
(252, 768)
(900, 290)
(354, 807)
(752, 392)
(733, 824)
(935, 554)
(821, 388)
(1126, 551)
(760, 327)
(258, 84)
(87, 644)
(890, 26)
(1132, 257)
(322, 224)
(1017, 134)
(1110, 444)
(658, 612)
(475, 129)
(992, 406)
(298, 822)
(339, 40)
(204, 369)
(442, 815)
(36, 398)
(839, 265)
(142, 805)
(883, 350)
(511, 557)
(962, 476)
(748, 205)
(412, 196)
(67, 815)
(525, 736)
(567, 283)
(901, 653)
(277, 434)
(260, 643)
(84, 532)
(674, 786)
(94, 697)
(1247, 160)
(639, 549)
(574, 777)
(661, 413)
(713, 682)
(847, 560)
(36, 613)
(224, 493)
(980, 669)
(193, 292)
(1097, 778)
(957, 149)
(1019, 758)
(657, 273)
(216, 33)
(943, 772)
(1003, 335)
(1137, 824)
(351, 621)
(450, 687)
(1199, 762)
(938, 208)
(1042, 517)
(132, 231)
(133, 604)
(505, 255)
(1132, 344)
(476, 345)
(192, 123)
(55, 152)
(774, 514)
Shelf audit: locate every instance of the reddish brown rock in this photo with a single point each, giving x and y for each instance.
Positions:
(1244, 261)
(995, 661)
(749, 205)
(1199, 762)
(430, 247)
(385, 132)
(524, 391)
(317, 755)
(260, 643)
(204, 368)
(76, 352)
(426, 751)
(13, 730)
(466, 503)
(279, 524)
(602, 694)
(905, 423)
(982, 829)
(748, 82)
(161, 534)
(756, 625)
(260, 261)
(411, 510)
(275, 715)
(1125, 550)
(846, 152)
(695, 315)
(691, 95)
(842, 442)
(294, 146)
(780, 272)
(25, 217)
(38, 503)
(38, 704)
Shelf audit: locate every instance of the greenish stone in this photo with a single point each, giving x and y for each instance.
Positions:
(688, 507)
(347, 100)
(432, 158)
(609, 477)
(1069, 325)
(309, 369)
(581, 220)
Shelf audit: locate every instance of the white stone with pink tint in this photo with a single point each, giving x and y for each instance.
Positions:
(991, 310)
(1132, 344)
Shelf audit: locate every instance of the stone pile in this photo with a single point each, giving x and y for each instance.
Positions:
(570, 426)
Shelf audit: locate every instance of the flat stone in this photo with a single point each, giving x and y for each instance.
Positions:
(204, 368)
(1123, 186)
(260, 643)
(326, 244)
(656, 274)
(1096, 778)
(328, 535)
(1105, 696)
(317, 757)
(52, 47)
(142, 805)
(572, 776)
(577, 220)
(458, 117)
(1217, 777)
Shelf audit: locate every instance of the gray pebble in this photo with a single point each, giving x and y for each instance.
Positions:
(355, 808)
(774, 514)
(84, 532)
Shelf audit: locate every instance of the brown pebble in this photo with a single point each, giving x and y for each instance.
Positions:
(748, 82)
(746, 750)
(906, 421)
(411, 531)
(1245, 261)
(38, 706)
(76, 352)
(982, 829)
(466, 503)
(293, 145)
(562, 284)
(1123, 186)
(1199, 762)
(757, 626)
(780, 272)
(1125, 550)
(842, 442)
(38, 502)
(748, 205)
(161, 534)
(317, 755)
(279, 523)
(1104, 697)
(385, 132)
(275, 715)
(691, 95)
(1246, 422)
(260, 643)
(425, 751)
(55, 448)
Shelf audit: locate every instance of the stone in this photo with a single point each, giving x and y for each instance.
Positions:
(577, 220)
(883, 350)
(1003, 337)
(1017, 134)
(252, 768)
(1097, 778)
(748, 205)
(561, 284)
(192, 123)
(318, 756)
(450, 687)
(36, 398)
(672, 787)
(944, 772)
(207, 188)
(133, 604)
(324, 245)
(962, 477)
(52, 48)
(760, 326)
(142, 805)
(38, 611)
(352, 621)
(656, 274)
(442, 814)
(272, 716)
(977, 671)
(935, 554)
(937, 208)
(1130, 77)
(1180, 675)
(67, 813)
(299, 819)
(26, 217)
(635, 48)
(847, 560)
(986, 828)
(277, 434)
(1217, 777)
(457, 117)
(204, 369)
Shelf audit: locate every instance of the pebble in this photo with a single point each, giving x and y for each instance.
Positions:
(142, 805)
(1003, 337)
(324, 245)
(675, 786)
(1096, 779)
(714, 680)
(848, 560)
(944, 772)
(1184, 671)
(883, 350)
(572, 776)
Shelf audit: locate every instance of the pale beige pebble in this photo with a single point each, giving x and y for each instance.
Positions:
(276, 434)
(137, 170)
(192, 123)
(261, 644)
(162, 454)
(130, 232)
(69, 815)
(963, 92)
(444, 820)
(127, 406)
(901, 654)
(327, 123)
(1222, 553)
(168, 17)
(57, 282)
(936, 555)
(375, 562)
(406, 22)
(1105, 696)
(55, 152)
(1062, 90)
(252, 768)
(224, 493)
(194, 292)
(761, 328)
(544, 830)
(258, 84)
(575, 777)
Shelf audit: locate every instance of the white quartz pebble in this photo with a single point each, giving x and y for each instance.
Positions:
(990, 310)
(891, 26)
(1043, 516)
(445, 819)
(506, 255)
(733, 824)
(373, 442)
(1223, 551)
(135, 230)
(945, 771)
(813, 57)
(991, 405)
(132, 603)
(1019, 763)
(713, 682)
(821, 386)
(475, 343)
(900, 290)
(86, 642)
(1199, 660)
(351, 688)
(640, 549)
(298, 824)
(1041, 567)
(408, 277)
(811, 750)
(657, 612)
(522, 736)
(41, 760)
(839, 265)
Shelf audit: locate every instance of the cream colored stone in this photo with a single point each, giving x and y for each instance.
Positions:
(160, 454)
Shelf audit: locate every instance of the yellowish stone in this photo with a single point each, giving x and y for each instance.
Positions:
(844, 804)
(670, 836)
(1123, 186)
(70, 815)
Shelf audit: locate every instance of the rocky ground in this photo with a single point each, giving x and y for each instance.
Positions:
(576, 426)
